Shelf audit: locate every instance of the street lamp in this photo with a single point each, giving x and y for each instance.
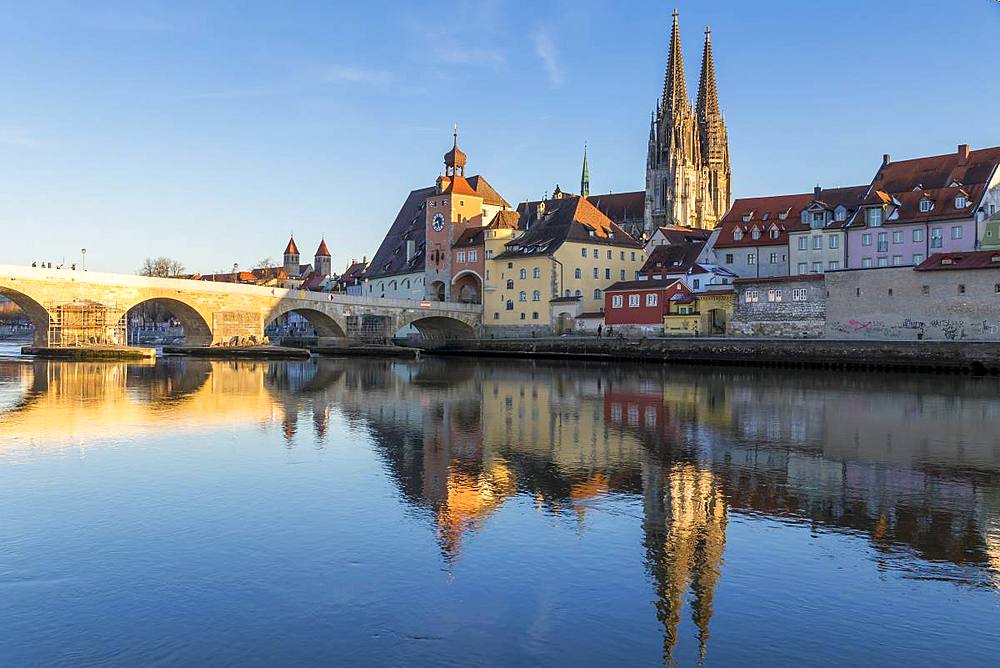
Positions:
(83, 251)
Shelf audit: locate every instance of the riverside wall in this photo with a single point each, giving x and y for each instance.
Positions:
(977, 357)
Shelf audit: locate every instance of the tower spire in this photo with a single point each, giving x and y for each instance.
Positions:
(708, 97)
(674, 86)
(585, 177)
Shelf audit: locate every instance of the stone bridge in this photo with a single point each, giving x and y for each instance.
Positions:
(215, 313)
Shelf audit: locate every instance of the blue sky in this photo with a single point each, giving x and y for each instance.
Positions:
(207, 131)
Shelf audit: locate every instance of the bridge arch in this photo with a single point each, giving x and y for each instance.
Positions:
(197, 330)
(37, 314)
(324, 324)
(440, 327)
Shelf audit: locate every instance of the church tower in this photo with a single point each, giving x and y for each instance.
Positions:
(291, 258)
(687, 165)
(322, 262)
(585, 176)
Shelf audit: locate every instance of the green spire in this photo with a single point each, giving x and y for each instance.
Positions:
(585, 177)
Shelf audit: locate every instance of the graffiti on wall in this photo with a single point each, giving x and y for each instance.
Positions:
(947, 329)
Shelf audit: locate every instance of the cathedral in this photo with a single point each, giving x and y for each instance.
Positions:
(688, 179)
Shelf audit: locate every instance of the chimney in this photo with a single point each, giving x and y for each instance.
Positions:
(817, 191)
(963, 153)
(886, 159)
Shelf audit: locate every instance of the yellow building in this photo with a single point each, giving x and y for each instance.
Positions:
(703, 314)
(554, 266)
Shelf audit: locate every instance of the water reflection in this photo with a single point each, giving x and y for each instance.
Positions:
(910, 464)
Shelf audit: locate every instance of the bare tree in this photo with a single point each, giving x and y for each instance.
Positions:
(266, 263)
(161, 267)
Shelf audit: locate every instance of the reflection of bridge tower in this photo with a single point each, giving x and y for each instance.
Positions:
(685, 526)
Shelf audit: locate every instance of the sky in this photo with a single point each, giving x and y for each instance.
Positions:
(208, 131)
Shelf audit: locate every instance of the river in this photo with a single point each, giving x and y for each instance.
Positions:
(450, 512)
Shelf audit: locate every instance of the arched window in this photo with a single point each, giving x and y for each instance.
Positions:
(578, 294)
(536, 296)
(510, 283)
(524, 274)
(510, 304)
(522, 296)
(597, 293)
(537, 272)
(737, 234)
(578, 273)
(406, 284)
(755, 233)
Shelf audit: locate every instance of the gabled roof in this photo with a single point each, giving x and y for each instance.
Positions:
(679, 234)
(963, 260)
(486, 191)
(621, 207)
(566, 219)
(409, 225)
(830, 199)
(657, 284)
(505, 220)
(673, 259)
(780, 212)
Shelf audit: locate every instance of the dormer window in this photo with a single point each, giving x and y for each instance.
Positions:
(875, 217)
(947, 261)
(774, 232)
(926, 205)
(747, 217)
(737, 234)
(840, 214)
(817, 220)
(755, 233)
(961, 201)
(783, 215)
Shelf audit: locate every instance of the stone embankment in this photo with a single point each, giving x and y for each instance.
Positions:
(933, 356)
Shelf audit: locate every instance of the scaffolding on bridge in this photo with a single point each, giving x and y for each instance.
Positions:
(85, 323)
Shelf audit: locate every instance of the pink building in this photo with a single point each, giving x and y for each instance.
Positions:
(915, 208)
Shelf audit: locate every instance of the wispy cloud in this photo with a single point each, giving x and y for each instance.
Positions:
(546, 51)
(356, 74)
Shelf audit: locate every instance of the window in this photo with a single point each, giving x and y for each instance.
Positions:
(799, 294)
(925, 205)
(875, 217)
(696, 283)
(833, 265)
(918, 258)
(633, 256)
(834, 241)
(534, 315)
(536, 272)
(738, 234)
(487, 274)
(597, 293)
(597, 253)
(616, 301)
(897, 237)
(774, 295)
(818, 243)
(775, 233)
(866, 263)
(883, 262)
(918, 235)
(651, 299)
(774, 258)
(897, 260)
(817, 267)
(633, 301)
(817, 221)
(496, 316)
(577, 293)
(751, 258)
(925, 290)
(883, 242)
(510, 283)
(936, 237)
(803, 267)
(583, 252)
(729, 258)
(751, 296)
(523, 316)
(597, 272)
(961, 289)
(803, 243)
(622, 274)
(461, 256)
(841, 214)
(523, 274)
(536, 296)
(578, 273)
(522, 296)
(473, 256)
(866, 239)
(510, 305)
(607, 274)
(609, 254)
(510, 265)
(755, 233)
(956, 232)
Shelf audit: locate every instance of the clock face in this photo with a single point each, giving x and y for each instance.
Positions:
(438, 223)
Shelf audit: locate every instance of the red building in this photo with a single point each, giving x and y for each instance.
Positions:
(640, 304)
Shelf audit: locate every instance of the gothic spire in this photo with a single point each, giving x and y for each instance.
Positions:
(708, 97)
(585, 177)
(674, 86)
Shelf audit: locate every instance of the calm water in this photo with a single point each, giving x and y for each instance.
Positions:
(460, 513)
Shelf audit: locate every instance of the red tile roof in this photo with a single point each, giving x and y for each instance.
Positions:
(621, 207)
(964, 260)
(291, 248)
(486, 191)
(322, 251)
(570, 218)
(657, 284)
(779, 212)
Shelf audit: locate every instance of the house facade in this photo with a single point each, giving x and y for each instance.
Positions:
(639, 306)
(780, 306)
(752, 240)
(915, 208)
(818, 243)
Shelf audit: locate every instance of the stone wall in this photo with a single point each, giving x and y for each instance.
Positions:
(903, 304)
(776, 313)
